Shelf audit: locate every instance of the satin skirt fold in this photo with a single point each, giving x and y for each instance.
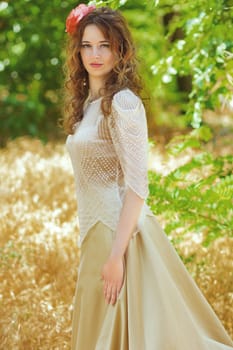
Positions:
(159, 306)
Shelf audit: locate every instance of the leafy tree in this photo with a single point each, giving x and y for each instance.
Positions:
(196, 198)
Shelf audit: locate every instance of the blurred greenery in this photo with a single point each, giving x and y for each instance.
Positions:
(185, 51)
(32, 34)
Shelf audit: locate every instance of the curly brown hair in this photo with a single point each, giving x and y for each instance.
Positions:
(124, 74)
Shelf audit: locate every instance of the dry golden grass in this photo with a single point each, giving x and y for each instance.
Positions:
(39, 255)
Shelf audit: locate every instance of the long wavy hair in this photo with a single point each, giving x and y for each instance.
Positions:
(124, 74)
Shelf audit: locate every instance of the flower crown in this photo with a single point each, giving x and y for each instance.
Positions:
(76, 15)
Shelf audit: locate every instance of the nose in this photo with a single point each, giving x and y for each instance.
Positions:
(96, 51)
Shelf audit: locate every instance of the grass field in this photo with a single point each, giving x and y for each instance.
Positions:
(39, 256)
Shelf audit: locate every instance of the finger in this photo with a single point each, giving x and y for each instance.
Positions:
(107, 292)
(113, 299)
(113, 296)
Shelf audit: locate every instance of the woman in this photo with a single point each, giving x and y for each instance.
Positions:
(133, 292)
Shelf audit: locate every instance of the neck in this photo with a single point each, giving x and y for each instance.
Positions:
(95, 85)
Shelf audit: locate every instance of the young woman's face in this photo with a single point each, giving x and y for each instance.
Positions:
(96, 53)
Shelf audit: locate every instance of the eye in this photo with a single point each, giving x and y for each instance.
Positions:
(84, 46)
(106, 45)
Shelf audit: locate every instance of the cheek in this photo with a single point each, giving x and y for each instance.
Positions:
(112, 60)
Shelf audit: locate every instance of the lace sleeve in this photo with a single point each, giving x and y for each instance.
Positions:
(128, 128)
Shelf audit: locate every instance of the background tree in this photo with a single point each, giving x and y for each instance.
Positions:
(32, 35)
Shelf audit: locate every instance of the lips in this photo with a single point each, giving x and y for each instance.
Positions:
(96, 65)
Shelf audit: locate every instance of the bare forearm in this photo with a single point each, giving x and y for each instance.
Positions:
(130, 213)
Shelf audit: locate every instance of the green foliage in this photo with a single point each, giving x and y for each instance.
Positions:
(203, 49)
(32, 34)
(192, 140)
(196, 197)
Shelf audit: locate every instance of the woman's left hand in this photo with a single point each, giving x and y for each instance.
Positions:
(113, 276)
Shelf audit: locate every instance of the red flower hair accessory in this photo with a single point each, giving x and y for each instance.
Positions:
(76, 15)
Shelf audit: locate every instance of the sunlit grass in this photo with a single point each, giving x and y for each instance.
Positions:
(39, 255)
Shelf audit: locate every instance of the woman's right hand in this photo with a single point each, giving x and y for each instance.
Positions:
(113, 277)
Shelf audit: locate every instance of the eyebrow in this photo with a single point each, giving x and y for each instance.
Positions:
(101, 41)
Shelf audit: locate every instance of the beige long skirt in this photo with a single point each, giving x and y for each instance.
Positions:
(159, 307)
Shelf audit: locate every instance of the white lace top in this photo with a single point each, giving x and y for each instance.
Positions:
(108, 155)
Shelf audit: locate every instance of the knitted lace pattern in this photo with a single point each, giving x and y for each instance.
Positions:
(108, 155)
